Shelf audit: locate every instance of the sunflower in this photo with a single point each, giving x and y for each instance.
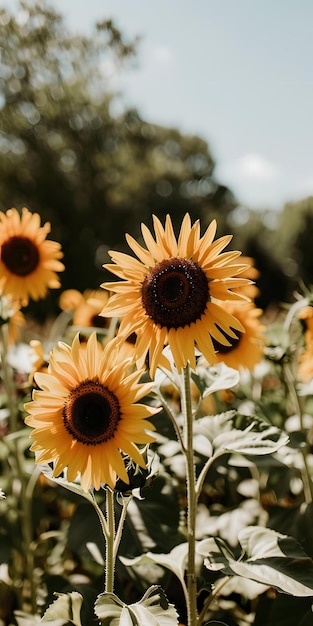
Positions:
(88, 311)
(169, 296)
(85, 413)
(28, 261)
(305, 316)
(247, 348)
(305, 366)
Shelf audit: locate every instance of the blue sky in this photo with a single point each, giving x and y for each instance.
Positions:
(237, 72)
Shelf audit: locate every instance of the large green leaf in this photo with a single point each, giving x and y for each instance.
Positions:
(268, 557)
(66, 607)
(175, 560)
(153, 609)
(231, 432)
(215, 378)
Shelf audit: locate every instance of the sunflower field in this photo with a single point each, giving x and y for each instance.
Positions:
(156, 443)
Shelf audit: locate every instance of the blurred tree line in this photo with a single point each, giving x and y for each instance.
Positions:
(95, 174)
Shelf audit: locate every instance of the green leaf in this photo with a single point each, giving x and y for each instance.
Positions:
(216, 378)
(175, 561)
(269, 558)
(223, 434)
(250, 441)
(153, 609)
(66, 607)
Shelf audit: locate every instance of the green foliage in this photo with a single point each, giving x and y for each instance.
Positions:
(152, 609)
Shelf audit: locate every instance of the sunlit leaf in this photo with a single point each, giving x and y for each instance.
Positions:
(268, 557)
(175, 560)
(250, 441)
(66, 607)
(216, 378)
(153, 609)
(231, 432)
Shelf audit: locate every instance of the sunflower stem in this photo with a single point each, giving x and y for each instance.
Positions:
(191, 499)
(297, 404)
(110, 553)
(118, 535)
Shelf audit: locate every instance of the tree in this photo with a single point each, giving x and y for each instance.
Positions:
(64, 154)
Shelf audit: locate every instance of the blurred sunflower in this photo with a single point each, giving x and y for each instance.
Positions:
(85, 308)
(169, 296)
(86, 412)
(28, 261)
(89, 309)
(247, 348)
(305, 316)
(252, 273)
(305, 365)
(12, 316)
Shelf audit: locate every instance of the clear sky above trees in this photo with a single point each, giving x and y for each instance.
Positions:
(238, 73)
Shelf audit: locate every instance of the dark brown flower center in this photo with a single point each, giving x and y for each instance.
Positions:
(221, 348)
(175, 293)
(91, 413)
(20, 255)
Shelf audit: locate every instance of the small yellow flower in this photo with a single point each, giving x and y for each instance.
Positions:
(172, 295)
(86, 412)
(88, 311)
(28, 261)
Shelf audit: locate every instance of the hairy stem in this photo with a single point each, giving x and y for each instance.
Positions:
(110, 555)
(191, 499)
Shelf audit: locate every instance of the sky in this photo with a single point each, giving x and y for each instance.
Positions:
(238, 73)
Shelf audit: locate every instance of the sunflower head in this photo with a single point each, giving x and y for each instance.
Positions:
(86, 415)
(171, 294)
(28, 261)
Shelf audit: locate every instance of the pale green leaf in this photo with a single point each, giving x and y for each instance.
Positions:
(66, 607)
(250, 442)
(235, 433)
(175, 560)
(268, 558)
(153, 609)
(215, 378)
